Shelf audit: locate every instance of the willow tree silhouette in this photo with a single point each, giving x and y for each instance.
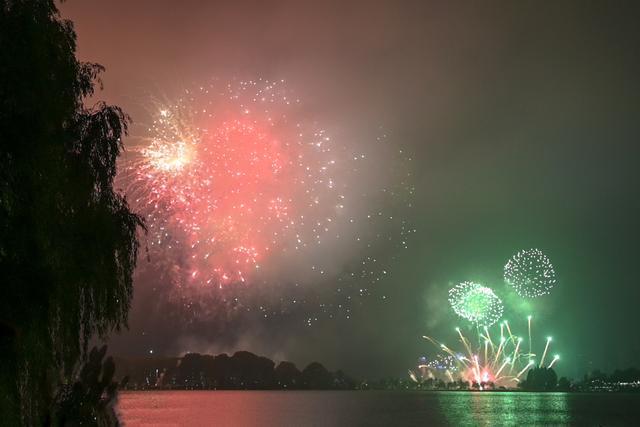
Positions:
(68, 242)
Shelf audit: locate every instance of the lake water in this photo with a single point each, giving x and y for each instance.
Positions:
(375, 408)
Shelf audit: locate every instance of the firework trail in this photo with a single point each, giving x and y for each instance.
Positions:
(501, 363)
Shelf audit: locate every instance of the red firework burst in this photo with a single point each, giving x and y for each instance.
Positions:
(226, 175)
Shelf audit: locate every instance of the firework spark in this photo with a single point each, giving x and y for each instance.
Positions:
(530, 273)
(485, 362)
(229, 176)
(235, 183)
(441, 366)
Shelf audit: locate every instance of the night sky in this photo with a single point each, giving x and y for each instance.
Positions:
(521, 120)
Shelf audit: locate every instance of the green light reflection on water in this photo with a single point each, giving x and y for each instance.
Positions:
(504, 408)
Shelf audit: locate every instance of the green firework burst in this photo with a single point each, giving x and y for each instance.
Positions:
(530, 273)
(476, 303)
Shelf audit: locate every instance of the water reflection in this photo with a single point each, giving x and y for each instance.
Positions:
(376, 408)
(496, 408)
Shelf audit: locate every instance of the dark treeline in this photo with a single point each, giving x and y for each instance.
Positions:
(537, 379)
(619, 380)
(624, 376)
(241, 371)
(247, 371)
(542, 379)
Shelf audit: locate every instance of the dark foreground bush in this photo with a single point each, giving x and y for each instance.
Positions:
(91, 399)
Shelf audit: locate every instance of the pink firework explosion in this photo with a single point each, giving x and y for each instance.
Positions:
(228, 181)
